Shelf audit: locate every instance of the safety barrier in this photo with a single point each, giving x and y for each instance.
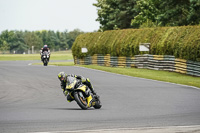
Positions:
(94, 59)
(107, 60)
(161, 62)
(155, 62)
(193, 68)
(100, 60)
(181, 66)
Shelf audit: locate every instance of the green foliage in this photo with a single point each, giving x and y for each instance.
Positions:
(163, 13)
(148, 12)
(18, 44)
(194, 15)
(174, 13)
(115, 14)
(31, 39)
(72, 36)
(6, 39)
(21, 41)
(182, 42)
(123, 14)
(4, 46)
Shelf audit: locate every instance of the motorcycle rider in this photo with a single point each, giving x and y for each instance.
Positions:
(45, 48)
(64, 78)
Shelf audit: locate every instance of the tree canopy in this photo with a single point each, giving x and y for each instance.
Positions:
(123, 14)
(22, 41)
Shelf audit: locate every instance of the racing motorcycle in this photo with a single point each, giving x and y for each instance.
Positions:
(45, 58)
(82, 94)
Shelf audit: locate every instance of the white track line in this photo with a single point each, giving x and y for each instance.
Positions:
(168, 129)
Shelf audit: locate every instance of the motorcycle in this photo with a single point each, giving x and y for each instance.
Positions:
(45, 58)
(82, 94)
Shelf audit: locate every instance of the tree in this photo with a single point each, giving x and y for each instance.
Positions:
(147, 14)
(72, 36)
(63, 40)
(6, 39)
(4, 47)
(105, 16)
(194, 15)
(126, 13)
(31, 39)
(18, 45)
(174, 12)
(21, 41)
(115, 14)
(122, 14)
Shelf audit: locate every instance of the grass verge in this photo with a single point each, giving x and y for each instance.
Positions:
(62, 55)
(166, 76)
(57, 63)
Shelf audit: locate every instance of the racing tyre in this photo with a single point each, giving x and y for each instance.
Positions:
(80, 99)
(45, 62)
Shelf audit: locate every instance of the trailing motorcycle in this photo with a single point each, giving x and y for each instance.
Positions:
(82, 94)
(45, 58)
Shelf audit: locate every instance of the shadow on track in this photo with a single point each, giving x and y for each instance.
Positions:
(70, 109)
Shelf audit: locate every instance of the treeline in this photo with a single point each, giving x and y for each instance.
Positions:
(123, 14)
(22, 41)
(182, 42)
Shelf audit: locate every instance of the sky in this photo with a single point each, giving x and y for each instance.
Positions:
(57, 15)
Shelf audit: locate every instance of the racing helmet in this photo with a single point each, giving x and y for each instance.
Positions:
(61, 76)
(45, 46)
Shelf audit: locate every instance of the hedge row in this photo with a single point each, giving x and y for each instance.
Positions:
(182, 42)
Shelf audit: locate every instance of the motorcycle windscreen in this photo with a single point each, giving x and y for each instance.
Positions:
(71, 82)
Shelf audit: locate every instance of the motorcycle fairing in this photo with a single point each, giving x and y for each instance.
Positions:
(83, 88)
(89, 101)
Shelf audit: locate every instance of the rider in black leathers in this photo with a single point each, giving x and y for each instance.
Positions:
(45, 48)
(63, 78)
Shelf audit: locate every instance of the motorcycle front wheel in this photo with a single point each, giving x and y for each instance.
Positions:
(45, 62)
(81, 100)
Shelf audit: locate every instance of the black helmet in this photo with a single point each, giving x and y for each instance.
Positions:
(61, 76)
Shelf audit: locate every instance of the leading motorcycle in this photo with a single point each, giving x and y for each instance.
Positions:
(82, 94)
(45, 58)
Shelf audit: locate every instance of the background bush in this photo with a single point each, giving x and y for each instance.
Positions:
(182, 42)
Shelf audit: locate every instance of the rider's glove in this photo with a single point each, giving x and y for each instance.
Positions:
(94, 92)
(65, 93)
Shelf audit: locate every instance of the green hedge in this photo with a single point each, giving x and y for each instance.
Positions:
(182, 42)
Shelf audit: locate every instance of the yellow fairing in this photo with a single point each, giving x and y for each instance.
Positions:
(83, 88)
(89, 99)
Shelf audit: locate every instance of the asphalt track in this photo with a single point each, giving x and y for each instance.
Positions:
(31, 101)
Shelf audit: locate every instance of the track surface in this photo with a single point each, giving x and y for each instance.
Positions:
(31, 101)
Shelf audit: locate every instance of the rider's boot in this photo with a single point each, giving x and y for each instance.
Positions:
(70, 98)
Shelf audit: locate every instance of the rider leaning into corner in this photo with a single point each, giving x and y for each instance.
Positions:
(64, 78)
(45, 48)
